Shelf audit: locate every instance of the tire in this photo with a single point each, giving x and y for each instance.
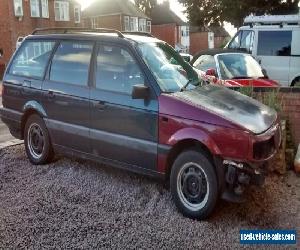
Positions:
(194, 185)
(296, 83)
(37, 141)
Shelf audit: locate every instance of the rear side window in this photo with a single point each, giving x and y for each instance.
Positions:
(71, 62)
(32, 59)
(274, 43)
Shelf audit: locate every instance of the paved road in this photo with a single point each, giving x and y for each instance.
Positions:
(4, 132)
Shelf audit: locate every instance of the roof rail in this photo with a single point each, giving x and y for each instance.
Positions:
(273, 20)
(66, 30)
(137, 33)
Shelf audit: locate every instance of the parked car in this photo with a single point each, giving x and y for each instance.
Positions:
(230, 68)
(117, 99)
(187, 57)
(274, 42)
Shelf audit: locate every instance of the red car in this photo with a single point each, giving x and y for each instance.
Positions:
(231, 68)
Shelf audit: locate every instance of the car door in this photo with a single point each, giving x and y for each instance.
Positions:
(122, 128)
(274, 53)
(295, 56)
(66, 95)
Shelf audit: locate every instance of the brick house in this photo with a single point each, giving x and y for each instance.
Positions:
(202, 38)
(19, 18)
(121, 15)
(167, 26)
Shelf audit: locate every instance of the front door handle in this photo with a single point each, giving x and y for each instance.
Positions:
(51, 94)
(26, 83)
(100, 105)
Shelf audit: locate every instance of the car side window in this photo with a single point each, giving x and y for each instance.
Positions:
(71, 62)
(205, 62)
(117, 70)
(32, 58)
(274, 43)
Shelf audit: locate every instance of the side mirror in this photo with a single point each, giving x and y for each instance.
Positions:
(264, 71)
(140, 91)
(211, 72)
(1, 53)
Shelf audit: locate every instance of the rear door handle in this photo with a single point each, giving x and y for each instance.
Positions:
(25, 87)
(100, 104)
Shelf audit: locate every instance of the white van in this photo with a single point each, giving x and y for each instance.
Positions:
(275, 43)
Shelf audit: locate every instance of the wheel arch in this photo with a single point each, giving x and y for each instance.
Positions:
(191, 138)
(30, 108)
(294, 80)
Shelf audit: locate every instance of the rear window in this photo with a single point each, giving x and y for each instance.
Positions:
(71, 62)
(32, 58)
(274, 43)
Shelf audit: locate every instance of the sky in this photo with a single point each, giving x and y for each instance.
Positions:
(175, 6)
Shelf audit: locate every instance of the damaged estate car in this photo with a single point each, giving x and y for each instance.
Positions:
(131, 101)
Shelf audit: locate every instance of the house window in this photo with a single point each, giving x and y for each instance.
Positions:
(126, 23)
(77, 14)
(45, 9)
(18, 7)
(34, 8)
(94, 24)
(134, 24)
(61, 11)
(148, 29)
(142, 25)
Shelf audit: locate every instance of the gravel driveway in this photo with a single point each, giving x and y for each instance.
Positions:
(79, 204)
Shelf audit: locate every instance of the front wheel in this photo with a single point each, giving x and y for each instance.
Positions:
(37, 141)
(296, 83)
(194, 185)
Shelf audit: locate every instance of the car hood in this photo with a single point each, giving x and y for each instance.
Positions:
(231, 106)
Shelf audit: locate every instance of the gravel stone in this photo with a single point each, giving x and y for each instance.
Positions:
(80, 204)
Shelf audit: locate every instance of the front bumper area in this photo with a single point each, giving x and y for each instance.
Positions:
(237, 177)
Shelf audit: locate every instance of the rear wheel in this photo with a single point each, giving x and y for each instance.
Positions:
(37, 141)
(296, 82)
(194, 185)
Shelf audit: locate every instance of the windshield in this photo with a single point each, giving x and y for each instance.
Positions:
(205, 62)
(169, 68)
(235, 66)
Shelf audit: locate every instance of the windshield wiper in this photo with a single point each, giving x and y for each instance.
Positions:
(186, 85)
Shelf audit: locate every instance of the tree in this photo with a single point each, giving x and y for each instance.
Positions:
(146, 5)
(214, 12)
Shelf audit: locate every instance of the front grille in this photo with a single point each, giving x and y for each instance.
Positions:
(264, 149)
